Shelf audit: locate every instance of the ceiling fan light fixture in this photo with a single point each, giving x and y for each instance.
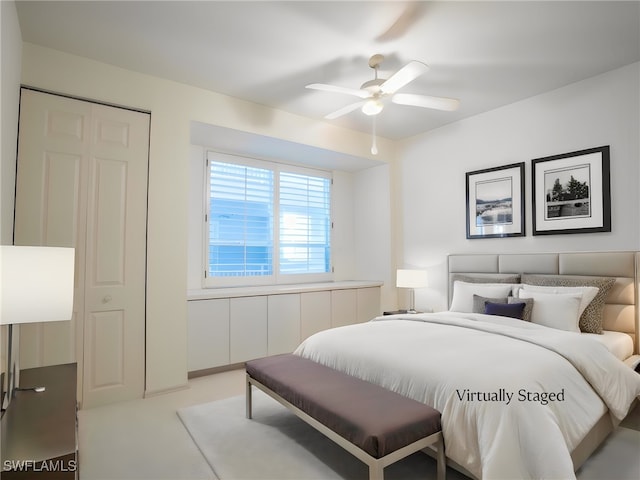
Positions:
(373, 94)
(372, 107)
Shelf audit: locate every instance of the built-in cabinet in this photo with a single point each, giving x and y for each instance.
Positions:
(230, 330)
(248, 324)
(315, 308)
(344, 307)
(283, 323)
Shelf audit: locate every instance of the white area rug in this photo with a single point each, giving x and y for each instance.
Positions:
(277, 445)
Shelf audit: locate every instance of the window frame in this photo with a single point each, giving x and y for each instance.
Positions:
(276, 278)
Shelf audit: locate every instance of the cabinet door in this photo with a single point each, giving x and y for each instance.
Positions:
(368, 303)
(315, 313)
(208, 334)
(344, 309)
(248, 328)
(283, 324)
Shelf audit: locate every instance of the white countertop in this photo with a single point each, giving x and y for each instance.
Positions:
(229, 292)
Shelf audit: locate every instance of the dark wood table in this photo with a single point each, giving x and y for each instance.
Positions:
(39, 429)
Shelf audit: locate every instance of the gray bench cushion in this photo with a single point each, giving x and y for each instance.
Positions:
(375, 419)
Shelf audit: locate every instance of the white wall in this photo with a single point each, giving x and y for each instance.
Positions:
(173, 107)
(603, 110)
(343, 246)
(196, 218)
(373, 230)
(11, 57)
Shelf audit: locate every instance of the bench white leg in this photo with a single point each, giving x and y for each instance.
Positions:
(376, 471)
(441, 461)
(248, 398)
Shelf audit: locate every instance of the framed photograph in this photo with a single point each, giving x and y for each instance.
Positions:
(495, 202)
(571, 192)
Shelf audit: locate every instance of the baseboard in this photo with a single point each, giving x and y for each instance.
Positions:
(211, 371)
(163, 391)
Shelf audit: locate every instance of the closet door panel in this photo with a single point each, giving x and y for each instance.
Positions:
(51, 182)
(116, 247)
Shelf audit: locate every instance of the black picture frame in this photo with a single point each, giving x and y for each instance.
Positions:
(571, 192)
(495, 202)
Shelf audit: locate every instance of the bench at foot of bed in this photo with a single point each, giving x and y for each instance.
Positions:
(374, 424)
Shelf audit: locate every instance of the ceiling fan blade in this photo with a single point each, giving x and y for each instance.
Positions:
(438, 103)
(344, 110)
(406, 74)
(335, 89)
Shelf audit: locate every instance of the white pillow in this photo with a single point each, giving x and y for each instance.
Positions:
(588, 293)
(463, 292)
(555, 310)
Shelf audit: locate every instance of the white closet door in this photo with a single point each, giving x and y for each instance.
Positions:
(116, 256)
(82, 182)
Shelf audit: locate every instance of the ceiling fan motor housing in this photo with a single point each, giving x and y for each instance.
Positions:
(373, 86)
(376, 60)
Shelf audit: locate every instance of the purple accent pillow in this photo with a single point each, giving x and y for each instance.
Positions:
(513, 310)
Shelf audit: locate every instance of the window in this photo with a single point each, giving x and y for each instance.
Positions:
(266, 223)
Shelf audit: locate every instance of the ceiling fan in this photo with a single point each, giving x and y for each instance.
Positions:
(374, 93)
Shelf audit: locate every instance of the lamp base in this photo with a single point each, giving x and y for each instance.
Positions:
(30, 389)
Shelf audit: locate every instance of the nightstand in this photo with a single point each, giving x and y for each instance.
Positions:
(40, 429)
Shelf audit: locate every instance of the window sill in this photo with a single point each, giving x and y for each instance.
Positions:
(233, 292)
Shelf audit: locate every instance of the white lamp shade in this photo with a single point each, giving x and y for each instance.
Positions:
(411, 278)
(36, 284)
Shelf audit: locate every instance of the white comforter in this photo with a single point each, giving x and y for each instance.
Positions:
(493, 379)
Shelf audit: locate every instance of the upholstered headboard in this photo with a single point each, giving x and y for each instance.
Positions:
(621, 311)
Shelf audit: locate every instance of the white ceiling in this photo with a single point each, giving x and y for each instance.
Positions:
(486, 54)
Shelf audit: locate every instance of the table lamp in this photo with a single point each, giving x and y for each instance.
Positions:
(36, 286)
(411, 279)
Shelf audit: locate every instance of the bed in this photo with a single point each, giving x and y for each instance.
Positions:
(519, 399)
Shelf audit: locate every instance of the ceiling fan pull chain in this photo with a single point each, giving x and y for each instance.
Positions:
(374, 146)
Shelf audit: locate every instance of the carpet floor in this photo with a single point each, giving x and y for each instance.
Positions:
(277, 445)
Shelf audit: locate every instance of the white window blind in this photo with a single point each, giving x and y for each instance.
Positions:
(305, 224)
(267, 223)
(240, 221)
